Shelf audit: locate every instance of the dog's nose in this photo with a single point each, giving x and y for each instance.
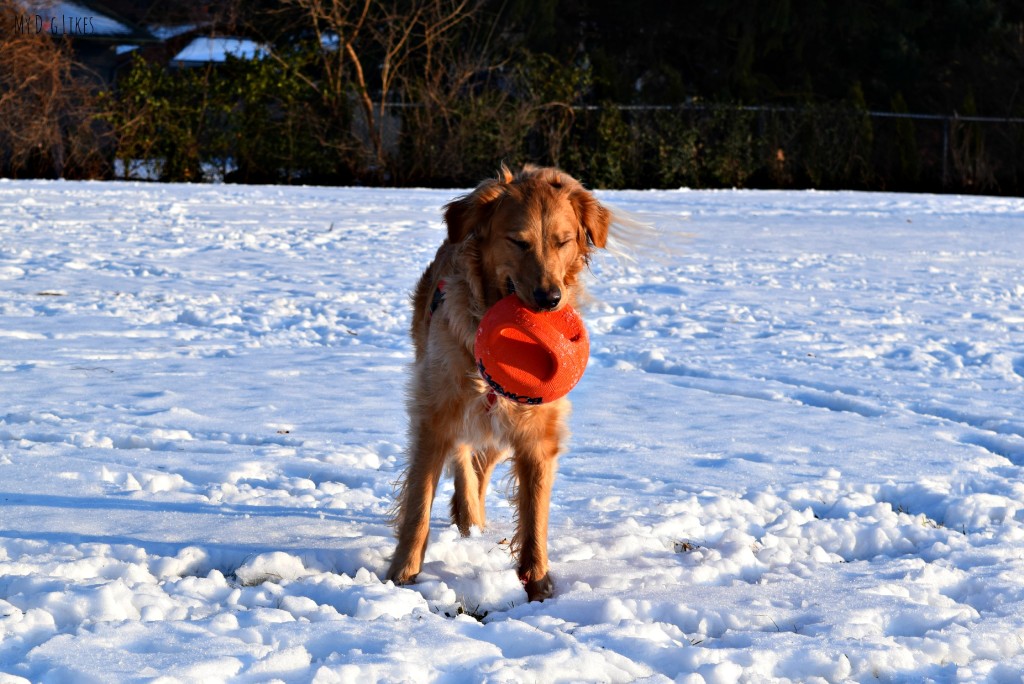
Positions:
(547, 299)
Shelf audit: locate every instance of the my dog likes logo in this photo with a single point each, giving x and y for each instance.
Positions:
(63, 25)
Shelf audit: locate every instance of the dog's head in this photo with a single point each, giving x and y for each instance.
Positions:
(535, 232)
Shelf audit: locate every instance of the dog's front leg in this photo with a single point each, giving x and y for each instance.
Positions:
(426, 461)
(534, 464)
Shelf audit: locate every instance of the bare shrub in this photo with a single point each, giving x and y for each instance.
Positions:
(49, 110)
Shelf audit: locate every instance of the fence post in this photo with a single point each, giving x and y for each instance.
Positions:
(945, 152)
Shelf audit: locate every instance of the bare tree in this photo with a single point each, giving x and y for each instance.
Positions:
(470, 111)
(48, 108)
(368, 46)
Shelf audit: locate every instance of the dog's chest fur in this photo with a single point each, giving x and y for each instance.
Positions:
(444, 332)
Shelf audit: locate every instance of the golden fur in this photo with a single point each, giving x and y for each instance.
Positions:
(530, 233)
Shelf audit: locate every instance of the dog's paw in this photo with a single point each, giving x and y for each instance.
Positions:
(401, 577)
(540, 589)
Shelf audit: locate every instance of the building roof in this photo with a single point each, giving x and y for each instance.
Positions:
(205, 49)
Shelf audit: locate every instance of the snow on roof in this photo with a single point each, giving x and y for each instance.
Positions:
(205, 49)
(330, 41)
(168, 32)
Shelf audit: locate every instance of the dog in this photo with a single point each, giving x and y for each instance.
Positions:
(530, 234)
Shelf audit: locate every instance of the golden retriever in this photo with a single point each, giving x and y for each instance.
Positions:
(531, 234)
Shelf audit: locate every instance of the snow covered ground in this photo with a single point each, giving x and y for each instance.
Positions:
(797, 453)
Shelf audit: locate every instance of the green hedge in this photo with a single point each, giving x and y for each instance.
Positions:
(260, 121)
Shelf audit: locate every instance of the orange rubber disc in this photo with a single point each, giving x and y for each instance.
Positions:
(531, 357)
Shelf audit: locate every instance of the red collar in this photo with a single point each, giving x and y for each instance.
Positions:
(438, 298)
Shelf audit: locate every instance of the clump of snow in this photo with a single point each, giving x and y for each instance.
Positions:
(796, 452)
(269, 567)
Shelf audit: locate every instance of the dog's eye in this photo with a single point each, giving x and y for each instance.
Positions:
(521, 244)
(564, 243)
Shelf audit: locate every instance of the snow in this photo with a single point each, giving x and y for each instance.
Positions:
(796, 452)
(204, 49)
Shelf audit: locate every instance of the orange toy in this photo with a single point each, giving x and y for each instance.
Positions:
(531, 357)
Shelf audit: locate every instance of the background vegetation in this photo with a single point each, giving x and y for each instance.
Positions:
(646, 93)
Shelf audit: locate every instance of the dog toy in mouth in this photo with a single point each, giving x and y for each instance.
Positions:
(531, 357)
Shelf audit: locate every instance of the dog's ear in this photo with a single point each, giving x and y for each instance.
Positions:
(594, 218)
(472, 213)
